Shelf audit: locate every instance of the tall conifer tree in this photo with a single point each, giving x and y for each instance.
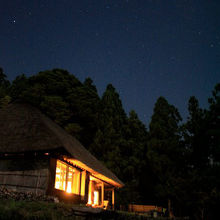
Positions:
(164, 151)
(109, 139)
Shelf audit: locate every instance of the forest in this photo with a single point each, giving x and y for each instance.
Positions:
(168, 161)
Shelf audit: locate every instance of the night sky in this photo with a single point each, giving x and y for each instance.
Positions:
(145, 48)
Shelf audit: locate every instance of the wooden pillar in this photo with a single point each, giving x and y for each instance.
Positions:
(52, 176)
(80, 179)
(113, 198)
(103, 194)
(90, 193)
(86, 198)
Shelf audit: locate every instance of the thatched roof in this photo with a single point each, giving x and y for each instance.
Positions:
(24, 128)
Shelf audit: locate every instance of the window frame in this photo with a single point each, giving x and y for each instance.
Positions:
(67, 167)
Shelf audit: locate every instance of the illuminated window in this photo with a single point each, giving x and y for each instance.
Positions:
(68, 179)
(60, 182)
(83, 183)
(76, 177)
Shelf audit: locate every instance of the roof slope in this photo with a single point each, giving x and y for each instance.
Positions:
(24, 128)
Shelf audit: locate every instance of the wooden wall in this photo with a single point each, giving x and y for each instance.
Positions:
(25, 175)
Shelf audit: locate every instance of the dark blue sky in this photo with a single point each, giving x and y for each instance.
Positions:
(145, 48)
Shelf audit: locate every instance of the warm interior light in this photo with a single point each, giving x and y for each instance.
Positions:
(76, 185)
(83, 183)
(57, 182)
(90, 193)
(89, 200)
(68, 179)
(96, 197)
(95, 190)
(68, 189)
(60, 182)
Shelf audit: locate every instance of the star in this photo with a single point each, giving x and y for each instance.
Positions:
(14, 21)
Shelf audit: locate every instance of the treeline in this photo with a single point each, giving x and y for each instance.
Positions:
(168, 161)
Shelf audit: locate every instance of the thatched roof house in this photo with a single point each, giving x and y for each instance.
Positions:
(38, 155)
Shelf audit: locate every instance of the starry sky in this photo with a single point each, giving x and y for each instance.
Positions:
(145, 48)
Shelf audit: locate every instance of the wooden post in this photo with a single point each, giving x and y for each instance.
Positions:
(67, 172)
(102, 194)
(86, 198)
(90, 193)
(113, 198)
(52, 176)
(169, 209)
(80, 179)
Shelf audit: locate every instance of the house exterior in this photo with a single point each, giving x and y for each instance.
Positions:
(37, 155)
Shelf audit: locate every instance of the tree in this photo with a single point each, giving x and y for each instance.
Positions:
(19, 87)
(112, 109)
(62, 97)
(212, 175)
(201, 136)
(164, 149)
(195, 135)
(4, 90)
(109, 139)
(214, 124)
(3, 79)
(135, 148)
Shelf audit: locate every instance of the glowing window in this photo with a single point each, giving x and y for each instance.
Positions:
(76, 177)
(60, 182)
(83, 183)
(68, 179)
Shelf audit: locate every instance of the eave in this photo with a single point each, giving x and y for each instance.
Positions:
(93, 172)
